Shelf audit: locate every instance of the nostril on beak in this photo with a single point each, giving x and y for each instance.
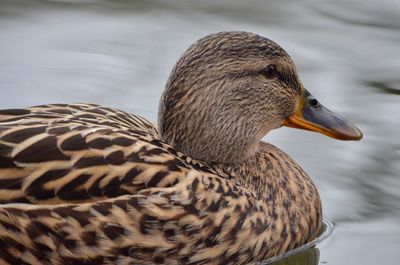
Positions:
(313, 102)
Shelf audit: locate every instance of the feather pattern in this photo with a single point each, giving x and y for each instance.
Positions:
(82, 152)
(88, 184)
(115, 187)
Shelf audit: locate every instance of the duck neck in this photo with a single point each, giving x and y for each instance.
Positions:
(208, 131)
(212, 141)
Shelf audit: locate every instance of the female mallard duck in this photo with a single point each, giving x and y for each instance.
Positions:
(86, 184)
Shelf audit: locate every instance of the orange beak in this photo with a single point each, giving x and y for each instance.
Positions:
(311, 115)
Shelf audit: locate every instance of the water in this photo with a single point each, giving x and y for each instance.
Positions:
(119, 53)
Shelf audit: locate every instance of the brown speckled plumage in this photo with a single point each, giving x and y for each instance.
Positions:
(86, 184)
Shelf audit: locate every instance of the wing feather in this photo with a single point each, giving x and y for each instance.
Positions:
(82, 152)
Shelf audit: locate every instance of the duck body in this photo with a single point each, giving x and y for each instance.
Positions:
(78, 201)
(87, 184)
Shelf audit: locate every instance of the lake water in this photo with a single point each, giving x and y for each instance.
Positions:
(119, 53)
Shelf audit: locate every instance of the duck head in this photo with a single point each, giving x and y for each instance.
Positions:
(229, 89)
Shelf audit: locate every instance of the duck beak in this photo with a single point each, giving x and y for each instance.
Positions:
(311, 115)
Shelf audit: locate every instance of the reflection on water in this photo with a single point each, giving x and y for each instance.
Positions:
(119, 53)
(307, 257)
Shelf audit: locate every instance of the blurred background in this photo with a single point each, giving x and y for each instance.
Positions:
(119, 53)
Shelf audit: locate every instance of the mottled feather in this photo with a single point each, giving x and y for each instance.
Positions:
(87, 184)
(82, 152)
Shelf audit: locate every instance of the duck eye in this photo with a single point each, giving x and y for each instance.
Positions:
(270, 71)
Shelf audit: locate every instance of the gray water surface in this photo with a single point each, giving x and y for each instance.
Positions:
(119, 53)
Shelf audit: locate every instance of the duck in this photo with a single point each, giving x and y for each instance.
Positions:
(88, 184)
